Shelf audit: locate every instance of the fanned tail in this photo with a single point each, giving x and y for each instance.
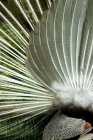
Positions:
(22, 99)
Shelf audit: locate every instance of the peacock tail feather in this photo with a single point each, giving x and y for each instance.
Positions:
(46, 65)
(22, 98)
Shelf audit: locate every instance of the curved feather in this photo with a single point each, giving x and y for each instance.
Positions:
(61, 37)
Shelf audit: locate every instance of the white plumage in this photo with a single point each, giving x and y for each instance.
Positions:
(62, 43)
(78, 97)
(59, 56)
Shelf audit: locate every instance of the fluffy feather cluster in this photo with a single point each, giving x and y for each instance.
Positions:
(77, 97)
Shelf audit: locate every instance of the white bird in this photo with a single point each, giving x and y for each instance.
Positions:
(59, 56)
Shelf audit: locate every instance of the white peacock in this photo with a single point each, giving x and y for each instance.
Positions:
(59, 56)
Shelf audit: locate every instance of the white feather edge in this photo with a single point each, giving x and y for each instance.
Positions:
(88, 136)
